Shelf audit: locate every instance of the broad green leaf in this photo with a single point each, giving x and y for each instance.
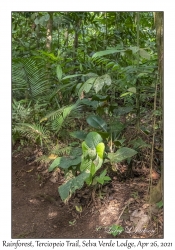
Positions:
(79, 134)
(132, 89)
(98, 162)
(64, 162)
(116, 127)
(107, 79)
(100, 97)
(123, 110)
(76, 152)
(100, 180)
(121, 154)
(85, 148)
(67, 189)
(59, 72)
(139, 143)
(85, 164)
(100, 149)
(106, 52)
(89, 102)
(103, 173)
(104, 135)
(98, 84)
(86, 86)
(36, 21)
(134, 49)
(47, 17)
(144, 54)
(93, 139)
(92, 153)
(54, 164)
(97, 122)
(90, 80)
(101, 81)
(93, 169)
(91, 74)
(71, 76)
(68, 162)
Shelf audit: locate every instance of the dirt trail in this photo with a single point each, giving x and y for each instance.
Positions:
(38, 212)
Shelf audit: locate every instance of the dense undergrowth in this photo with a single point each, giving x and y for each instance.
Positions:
(93, 108)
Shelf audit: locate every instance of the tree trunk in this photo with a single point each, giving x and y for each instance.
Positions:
(49, 32)
(137, 81)
(160, 50)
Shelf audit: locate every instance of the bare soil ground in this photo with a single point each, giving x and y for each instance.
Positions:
(38, 212)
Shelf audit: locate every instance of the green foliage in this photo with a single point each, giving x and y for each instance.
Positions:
(88, 164)
(93, 139)
(64, 162)
(29, 80)
(79, 134)
(93, 151)
(21, 110)
(97, 83)
(58, 117)
(123, 110)
(97, 122)
(110, 132)
(59, 72)
(33, 132)
(93, 71)
(159, 204)
(102, 178)
(139, 143)
(67, 189)
(91, 160)
(121, 154)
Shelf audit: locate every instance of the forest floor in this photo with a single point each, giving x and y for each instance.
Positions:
(38, 212)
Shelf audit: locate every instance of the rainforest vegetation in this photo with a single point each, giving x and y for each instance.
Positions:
(87, 100)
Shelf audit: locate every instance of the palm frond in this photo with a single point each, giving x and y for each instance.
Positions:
(33, 132)
(60, 150)
(20, 111)
(29, 78)
(59, 116)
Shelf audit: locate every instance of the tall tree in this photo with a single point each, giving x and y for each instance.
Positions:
(160, 45)
(49, 32)
(157, 191)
